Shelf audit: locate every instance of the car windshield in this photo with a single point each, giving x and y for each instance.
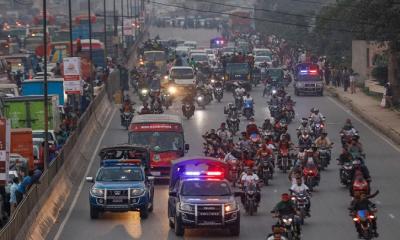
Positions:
(182, 73)
(262, 59)
(309, 78)
(41, 135)
(154, 56)
(237, 68)
(200, 57)
(158, 141)
(116, 174)
(262, 53)
(205, 188)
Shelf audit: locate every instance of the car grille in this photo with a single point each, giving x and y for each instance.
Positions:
(309, 85)
(117, 197)
(209, 214)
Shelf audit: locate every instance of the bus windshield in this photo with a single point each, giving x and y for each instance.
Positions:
(154, 56)
(237, 68)
(182, 73)
(158, 141)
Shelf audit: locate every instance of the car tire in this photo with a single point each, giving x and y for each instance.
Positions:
(94, 213)
(235, 228)
(144, 212)
(179, 229)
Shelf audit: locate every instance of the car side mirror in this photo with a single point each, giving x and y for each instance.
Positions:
(187, 147)
(173, 194)
(89, 179)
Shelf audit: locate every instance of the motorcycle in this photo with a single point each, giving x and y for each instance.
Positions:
(324, 157)
(218, 93)
(167, 97)
(248, 110)
(302, 201)
(310, 177)
(345, 174)
(318, 128)
(250, 198)
(233, 125)
(126, 119)
(239, 102)
(365, 220)
(144, 94)
(267, 169)
(287, 221)
(274, 111)
(201, 101)
(284, 160)
(156, 108)
(188, 110)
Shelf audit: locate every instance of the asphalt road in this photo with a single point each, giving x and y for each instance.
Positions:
(330, 219)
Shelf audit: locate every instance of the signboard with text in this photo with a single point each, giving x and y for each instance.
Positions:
(72, 75)
(5, 139)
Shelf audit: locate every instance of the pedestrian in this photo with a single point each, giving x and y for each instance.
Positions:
(327, 73)
(13, 197)
(345, 79)
(352, 79)
(338, 77)
(23, 186)
(388, 95)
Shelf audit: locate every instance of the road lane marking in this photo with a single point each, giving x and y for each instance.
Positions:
(383, 137)
(74, 201)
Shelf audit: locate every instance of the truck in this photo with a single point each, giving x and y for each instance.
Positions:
(201, 197)
(164, 135)
(122, 182)
(28, 112)
(35, 87)
(238, 73)
(21, 143)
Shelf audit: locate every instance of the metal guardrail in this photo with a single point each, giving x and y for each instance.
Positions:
(35, 193)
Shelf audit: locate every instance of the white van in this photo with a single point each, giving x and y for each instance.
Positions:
(182, 76)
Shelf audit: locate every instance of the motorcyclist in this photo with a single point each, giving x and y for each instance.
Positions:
(305, 140)
(345, 157)
(358, 167)
(145, 109)
(316, 116)
(361, 202)
(224, 133)
(303, 127)
(248, 178)
(300, 187)
(267, 125)
(355, 147)
(323, 142)
(287, 207)
(264, 152)
(277, 233)
(248, 100)
(211, 136)
(251, 127)
(274, 101)
(188, 99)
(239, 91)
(348, 126)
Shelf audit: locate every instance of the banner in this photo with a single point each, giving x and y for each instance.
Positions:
(128, 27)
(72, 75)
(5, 139)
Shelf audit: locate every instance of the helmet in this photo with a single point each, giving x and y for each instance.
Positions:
(316, 110)
(223, 124)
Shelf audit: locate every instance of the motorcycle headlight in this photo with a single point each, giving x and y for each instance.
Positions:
(144, 91)
(222, 77)
(172, 90)
(186, 207)
(212, 80)
(136, 192)
(273, 91)
(97, 192)
(231, 207)
(165, 77)
(200, 98)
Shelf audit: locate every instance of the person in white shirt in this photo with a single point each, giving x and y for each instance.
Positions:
(240, 91)
(249, 177)
(300, 187)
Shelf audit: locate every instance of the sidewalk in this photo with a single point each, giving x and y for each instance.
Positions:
(368, 108)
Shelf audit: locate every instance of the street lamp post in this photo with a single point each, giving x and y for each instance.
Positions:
(45, 87)
(90, 50)
(71, 44)
(105, 28)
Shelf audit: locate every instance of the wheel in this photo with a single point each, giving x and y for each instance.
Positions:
(235, 228)
(179, 229)
(94, 213)
(171, 224)
(144, 212)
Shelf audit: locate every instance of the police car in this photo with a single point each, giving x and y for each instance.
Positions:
(121, 183)
(308, 80)
(201, 197)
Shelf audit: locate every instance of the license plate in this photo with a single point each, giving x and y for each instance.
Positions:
(156, 173)
(117, 200)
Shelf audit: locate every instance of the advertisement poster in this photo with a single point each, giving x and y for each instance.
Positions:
(72, 75)
(5, 139)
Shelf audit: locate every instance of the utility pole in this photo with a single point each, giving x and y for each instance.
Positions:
(115, 31)
(45, 87)
(105, 29)
(90, 50)
(71, 43)
(122, 24)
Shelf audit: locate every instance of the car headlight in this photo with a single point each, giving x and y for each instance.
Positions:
(273, 91)
(97, 192)
(186, 207)
(144, 91)
(199, 98)
(222, 77)
(212, 80)
(136, 192)
(320, 84)
(231, 207)
(172, 90)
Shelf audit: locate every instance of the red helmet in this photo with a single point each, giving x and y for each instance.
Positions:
(285, 197)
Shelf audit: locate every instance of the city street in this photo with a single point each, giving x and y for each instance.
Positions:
(329, 215)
